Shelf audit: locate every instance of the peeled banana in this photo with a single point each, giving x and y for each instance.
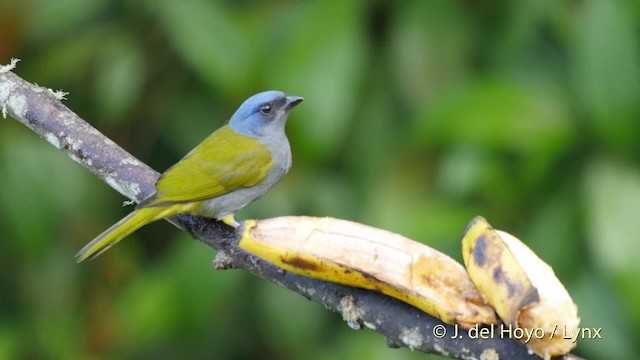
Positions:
(501, 274)
(362, 256)
(522, 289)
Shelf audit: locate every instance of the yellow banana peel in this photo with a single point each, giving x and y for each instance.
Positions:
(357, 255)
(501, 274)
(522, 288)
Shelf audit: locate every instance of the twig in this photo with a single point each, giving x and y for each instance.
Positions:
(402, 325)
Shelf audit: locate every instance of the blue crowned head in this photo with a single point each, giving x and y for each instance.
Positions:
(263, 113)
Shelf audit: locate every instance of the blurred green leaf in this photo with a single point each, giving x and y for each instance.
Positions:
(462, 170)
(190, 117)
(276, 304)
(51, 19)
(66, 61)
(428, 45)
(612, 205)
(372, 147)
(9, 343)
(208, 39)
(599, 308)
(31, 170)
(53, 316)
(120, 74)
(606, 54)
(321, 59)
(402, 202)
(182, 292)
(499, 114)
(629, 295)
(367, 345)
(550, 231)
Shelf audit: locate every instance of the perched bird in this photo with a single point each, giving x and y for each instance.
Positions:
(234, 166)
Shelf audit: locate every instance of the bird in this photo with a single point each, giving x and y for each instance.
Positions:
(232, 167)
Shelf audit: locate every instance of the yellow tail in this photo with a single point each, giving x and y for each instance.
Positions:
(120, 230)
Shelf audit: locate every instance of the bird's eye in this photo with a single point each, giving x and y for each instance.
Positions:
(265, 110)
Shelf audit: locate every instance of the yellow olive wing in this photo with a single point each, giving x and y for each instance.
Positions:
(225, 161)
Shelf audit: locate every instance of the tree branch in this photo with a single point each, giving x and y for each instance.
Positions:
(401, 324)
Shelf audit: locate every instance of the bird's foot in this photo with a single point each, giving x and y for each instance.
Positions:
(230, 220)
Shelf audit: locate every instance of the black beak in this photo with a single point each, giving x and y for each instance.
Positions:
(292, 101)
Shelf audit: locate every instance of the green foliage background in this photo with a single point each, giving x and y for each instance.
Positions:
(418, 116)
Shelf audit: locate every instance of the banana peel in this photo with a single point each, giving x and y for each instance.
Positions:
(501, 274)
(357, 255)
(522, 289)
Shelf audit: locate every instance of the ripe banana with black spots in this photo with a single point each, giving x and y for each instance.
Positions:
(357, 255)
(522, 289)
(501, 274)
